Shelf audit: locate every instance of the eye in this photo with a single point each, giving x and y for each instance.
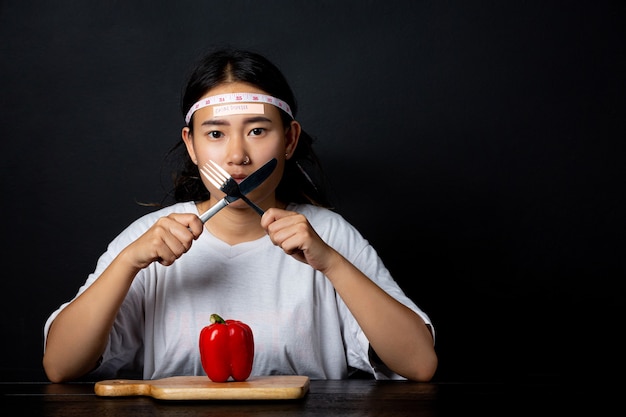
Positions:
(215, 134)
(257, 131)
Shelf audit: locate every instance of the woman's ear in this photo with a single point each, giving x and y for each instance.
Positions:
(291, 138)
(188, 139)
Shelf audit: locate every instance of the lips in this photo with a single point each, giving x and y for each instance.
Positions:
(239, 177)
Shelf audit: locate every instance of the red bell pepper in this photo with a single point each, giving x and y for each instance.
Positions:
(226, 349)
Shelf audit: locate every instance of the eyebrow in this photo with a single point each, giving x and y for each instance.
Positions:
(224, 122)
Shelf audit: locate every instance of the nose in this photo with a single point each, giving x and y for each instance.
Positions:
(237, 154)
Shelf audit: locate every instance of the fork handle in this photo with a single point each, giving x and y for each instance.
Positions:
(213, 210)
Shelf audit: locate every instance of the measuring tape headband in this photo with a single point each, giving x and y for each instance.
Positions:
(238, 98)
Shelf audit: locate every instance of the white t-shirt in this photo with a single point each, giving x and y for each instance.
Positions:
(300, 324)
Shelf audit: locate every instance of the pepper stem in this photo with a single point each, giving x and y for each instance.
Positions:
(215, 318)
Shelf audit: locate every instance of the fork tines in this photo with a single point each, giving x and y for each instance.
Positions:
(215, 174)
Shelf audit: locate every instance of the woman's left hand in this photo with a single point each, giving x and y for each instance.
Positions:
(293, 233)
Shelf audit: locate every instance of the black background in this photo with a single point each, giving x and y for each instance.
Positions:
(478, 145)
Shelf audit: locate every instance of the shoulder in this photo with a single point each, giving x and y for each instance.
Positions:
(149, 218)
(143, 223)
(330, 225)
(316, 214)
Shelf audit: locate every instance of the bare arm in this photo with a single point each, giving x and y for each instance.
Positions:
(399, 336)
(78, 336)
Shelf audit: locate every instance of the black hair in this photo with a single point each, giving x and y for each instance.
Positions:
(303, 179)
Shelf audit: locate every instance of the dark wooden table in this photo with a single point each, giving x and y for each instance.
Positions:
(324, 399)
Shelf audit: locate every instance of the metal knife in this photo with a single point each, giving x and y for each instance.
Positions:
(246, 186)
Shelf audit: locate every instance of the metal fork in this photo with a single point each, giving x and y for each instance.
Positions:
(227, 184)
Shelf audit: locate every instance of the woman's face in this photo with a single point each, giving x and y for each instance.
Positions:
(229, 138)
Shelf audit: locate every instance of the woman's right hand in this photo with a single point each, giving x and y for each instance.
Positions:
(167, 240)
(79, 334)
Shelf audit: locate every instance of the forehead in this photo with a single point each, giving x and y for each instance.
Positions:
(233, 110)
(237, 108)
(229, 99)
(237, 103)
(233, 87)
(233, 98)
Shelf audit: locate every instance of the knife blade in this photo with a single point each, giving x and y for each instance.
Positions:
(246, 186)
(257, 177)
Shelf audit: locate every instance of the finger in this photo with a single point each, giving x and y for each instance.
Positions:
(165, 256)
(191, 222)
(196, 227)
(274, 214)
(172, 237)
(293, 246)
(178, 239)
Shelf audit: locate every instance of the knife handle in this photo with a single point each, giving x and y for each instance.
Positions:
(251, 204)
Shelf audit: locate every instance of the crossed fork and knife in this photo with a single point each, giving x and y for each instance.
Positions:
(234, 191)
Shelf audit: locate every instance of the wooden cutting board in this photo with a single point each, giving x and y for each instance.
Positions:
(274, 387)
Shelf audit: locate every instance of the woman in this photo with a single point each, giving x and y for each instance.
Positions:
(317, 297)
